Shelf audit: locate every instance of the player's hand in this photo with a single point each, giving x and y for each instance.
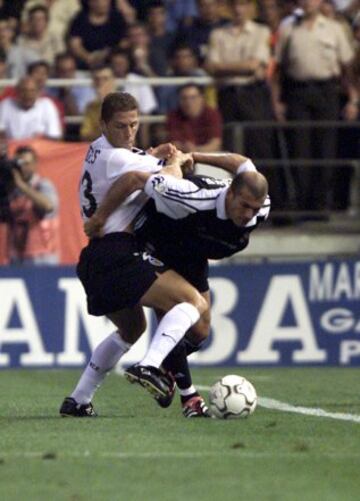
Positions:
(94, 227)
(164, 151)
(187, 163)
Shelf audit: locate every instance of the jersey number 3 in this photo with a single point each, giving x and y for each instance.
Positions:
(86, 183)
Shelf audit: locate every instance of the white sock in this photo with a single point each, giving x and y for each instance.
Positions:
(169, 332)
(187, 391)
(105, 356)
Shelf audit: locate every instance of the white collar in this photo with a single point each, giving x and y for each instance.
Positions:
(105, 141)
(220, 205)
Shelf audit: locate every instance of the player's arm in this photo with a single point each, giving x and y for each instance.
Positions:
(231, 162)
(178, 198)
(116, 195)
(123, 187)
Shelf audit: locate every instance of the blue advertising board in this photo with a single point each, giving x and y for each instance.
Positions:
(272, 314)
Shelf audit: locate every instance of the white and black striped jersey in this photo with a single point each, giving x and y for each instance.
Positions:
(103, 165)
(187, 218)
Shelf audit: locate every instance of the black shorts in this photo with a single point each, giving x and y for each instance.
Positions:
(116, 273)
(195, 269)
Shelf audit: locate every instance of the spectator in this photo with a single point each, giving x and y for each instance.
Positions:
(10, 11)
(96, 29)
(103, 84)
(177, 12)
(328, 9)
(39, 38)
(32, 215)
(28, 115)
(17, 57)
(305, 86)
(76, 97)
(180, 13)
(269, 13)
(138, 41)
(61, 12)
(242, 50)
(197, 35)
(161, 40)
(183, 63)
(40, 72)
(194, 126)
(144, 95)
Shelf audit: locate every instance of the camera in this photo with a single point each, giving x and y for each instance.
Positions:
(7, 185)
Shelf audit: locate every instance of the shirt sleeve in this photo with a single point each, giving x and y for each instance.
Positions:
(52, 119)
(345, 50)
(177, 198)
(121, 161)
(214, 47)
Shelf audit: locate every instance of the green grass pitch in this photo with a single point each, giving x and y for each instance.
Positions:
(136, 451)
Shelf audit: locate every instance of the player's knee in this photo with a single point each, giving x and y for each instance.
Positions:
(201, 330)
(198, 301)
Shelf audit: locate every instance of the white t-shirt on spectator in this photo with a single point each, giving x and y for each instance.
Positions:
(41, 120)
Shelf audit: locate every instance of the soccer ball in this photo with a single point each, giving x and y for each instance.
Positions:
(232, 397)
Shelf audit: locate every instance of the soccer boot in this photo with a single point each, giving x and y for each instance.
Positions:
(166, 401)
(71, 408)
(195, 407)
(151, 378)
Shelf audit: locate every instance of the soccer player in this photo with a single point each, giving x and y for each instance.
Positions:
(118, 277)
(186, 223)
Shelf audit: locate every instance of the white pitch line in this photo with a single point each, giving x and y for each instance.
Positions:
(270, 403)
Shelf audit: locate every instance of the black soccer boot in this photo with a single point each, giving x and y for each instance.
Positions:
(151, 378)
(165, 402)
(70, 408)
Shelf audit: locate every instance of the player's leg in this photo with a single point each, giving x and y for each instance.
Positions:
(130, 323)
(183, 305)
(176, 363)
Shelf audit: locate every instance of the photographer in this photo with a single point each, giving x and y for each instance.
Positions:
(31, 212)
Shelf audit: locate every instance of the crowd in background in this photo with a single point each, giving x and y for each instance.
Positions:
(271, 60)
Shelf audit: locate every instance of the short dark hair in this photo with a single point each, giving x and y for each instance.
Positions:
(117, 101)
(101, 67)
(191, 85)
(118, 51)
(64, 55)
(21, 150)
(36, 64)
(254, 182)
(155, 4)
(177, 47)
(39, 8)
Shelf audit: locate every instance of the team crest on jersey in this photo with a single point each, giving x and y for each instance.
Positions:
(158, 184)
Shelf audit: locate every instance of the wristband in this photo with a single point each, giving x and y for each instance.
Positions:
(246, 166)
